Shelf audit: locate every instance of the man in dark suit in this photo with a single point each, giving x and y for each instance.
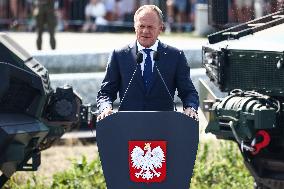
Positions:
(148, 91)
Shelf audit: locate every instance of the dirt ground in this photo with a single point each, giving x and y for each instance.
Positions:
(59, 158)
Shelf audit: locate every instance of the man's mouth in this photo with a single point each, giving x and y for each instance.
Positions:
(146, 37)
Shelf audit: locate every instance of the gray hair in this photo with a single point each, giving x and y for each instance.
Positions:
(150, 7)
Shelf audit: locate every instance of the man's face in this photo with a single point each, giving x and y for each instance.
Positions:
(147, 27)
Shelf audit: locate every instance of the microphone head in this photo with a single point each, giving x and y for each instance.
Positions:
(156, 56)
(139, 58)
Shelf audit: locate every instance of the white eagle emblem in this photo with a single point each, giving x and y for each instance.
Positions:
(152, 160)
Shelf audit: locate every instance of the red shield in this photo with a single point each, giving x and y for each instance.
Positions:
(147, 161)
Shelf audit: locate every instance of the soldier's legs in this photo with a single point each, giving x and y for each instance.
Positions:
(51, 29)
(39, 36)
(40, 29)
(52, 39)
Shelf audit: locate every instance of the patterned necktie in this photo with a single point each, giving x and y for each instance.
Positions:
(147, 73)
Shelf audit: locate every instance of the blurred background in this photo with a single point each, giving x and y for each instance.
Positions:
(117, 15)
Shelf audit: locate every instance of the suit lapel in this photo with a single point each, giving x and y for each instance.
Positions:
(161, 50)
(138, 74)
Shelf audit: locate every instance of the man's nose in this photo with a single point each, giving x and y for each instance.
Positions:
(146, 30)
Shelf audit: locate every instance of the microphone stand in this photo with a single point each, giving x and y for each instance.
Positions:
(156, 59)
(139, 60)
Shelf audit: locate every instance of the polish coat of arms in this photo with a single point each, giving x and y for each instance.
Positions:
(147, 161)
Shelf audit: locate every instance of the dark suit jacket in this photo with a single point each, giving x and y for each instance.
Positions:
(173, 67)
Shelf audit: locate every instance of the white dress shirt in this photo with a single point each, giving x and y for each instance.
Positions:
(153, 48)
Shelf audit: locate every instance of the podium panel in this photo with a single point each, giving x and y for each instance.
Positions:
(154, 150)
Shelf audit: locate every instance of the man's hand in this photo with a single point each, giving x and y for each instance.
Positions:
(104, 113)
(191, 113)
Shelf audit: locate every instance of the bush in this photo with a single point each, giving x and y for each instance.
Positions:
(82, 175)
(217, 166)
(32, 182)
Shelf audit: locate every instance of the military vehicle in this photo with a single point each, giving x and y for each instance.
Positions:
(245, 103)
(32, 114)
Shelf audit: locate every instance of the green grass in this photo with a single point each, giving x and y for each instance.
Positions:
(217, 167)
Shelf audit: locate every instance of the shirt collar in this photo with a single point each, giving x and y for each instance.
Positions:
(153, 47)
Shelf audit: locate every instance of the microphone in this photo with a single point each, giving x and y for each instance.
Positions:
(139, 60)
(156, 58)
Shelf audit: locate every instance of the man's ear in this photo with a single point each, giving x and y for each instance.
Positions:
(162, 27)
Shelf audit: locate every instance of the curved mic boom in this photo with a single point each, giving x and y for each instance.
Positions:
(139, 60)
(156, 58)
